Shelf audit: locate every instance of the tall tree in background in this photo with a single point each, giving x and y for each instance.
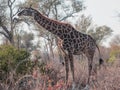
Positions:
(3, 20)
(27, 41)
(6, 19)
(83, 23)
(99, 33)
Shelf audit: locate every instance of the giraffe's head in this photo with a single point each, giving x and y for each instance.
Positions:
(27, 12)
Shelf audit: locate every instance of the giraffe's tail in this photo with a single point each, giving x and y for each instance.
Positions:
(101, 61)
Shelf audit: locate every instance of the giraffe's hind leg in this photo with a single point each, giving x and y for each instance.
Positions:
(89, 69)
(90, 62)
(72, 70)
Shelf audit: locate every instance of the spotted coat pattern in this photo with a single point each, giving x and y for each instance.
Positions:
(73, 41)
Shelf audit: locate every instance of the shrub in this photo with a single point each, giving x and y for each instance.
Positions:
(10, 58)
(113, 55)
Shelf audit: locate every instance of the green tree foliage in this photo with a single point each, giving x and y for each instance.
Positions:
(12, 59)
(115, 48)
(113, 55)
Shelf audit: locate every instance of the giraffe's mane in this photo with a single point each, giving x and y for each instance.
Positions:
(56, 21)
(53, 20)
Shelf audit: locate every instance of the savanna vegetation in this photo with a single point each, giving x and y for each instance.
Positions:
(31, 60)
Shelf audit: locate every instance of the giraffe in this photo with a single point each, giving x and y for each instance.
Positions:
(73, 41)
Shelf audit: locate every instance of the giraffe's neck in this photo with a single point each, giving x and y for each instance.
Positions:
(57, 28)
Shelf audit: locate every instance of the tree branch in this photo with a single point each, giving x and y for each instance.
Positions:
(5, 29)
(70, 15)
(16, 12)
(12, 2)
(9, 3)
(4, 35)
(17, 20)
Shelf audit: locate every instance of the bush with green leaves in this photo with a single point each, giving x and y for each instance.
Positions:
(13, 59)
(113, 55)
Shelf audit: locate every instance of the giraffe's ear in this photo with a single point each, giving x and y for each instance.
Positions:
(21, 8)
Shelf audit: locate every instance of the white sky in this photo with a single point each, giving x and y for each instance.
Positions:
(104, 12)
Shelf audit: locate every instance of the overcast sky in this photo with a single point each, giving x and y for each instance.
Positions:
(104, 12)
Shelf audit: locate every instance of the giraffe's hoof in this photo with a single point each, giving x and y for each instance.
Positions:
(87, 87)
(73, 86)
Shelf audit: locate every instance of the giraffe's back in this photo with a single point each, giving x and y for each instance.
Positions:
(78, 43)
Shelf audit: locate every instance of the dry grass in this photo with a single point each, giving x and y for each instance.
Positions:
(109, 77)
(106, 78)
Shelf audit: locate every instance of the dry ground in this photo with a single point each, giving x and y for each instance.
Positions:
(106, 78)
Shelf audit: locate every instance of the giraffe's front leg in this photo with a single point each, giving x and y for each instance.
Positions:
(66, 57)
(72, 66)
(66, 68)
(72, 70)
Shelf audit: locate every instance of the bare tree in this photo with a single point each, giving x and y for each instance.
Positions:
(6, 19)
(99, 33)
(27, 40)
(83, 23)
(4, 31)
